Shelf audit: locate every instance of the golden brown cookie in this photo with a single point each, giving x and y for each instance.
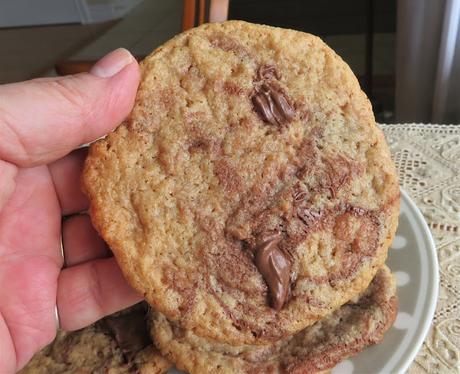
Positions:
(117, 344)
(250, 192)
(344, 333)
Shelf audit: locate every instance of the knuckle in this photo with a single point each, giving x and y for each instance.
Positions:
(69, 90)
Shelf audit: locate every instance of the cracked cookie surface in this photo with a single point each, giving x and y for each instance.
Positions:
(240, 133)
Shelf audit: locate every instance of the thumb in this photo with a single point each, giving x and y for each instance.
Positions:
(43, 119)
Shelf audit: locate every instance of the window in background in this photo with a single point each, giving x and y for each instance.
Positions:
(362, 34)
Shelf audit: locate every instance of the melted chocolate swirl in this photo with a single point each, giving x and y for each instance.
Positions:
(269, 101)
(275, 268)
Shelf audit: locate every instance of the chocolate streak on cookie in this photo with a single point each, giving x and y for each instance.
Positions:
(350, 250)
(267, 72)
(228, 44)
(309, 216)
(129, 330)
(269, 100)
(338, 173)
(275, 267)
(185, 287)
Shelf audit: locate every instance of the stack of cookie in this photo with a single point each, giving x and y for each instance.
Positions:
(251, 198)
(117, 344)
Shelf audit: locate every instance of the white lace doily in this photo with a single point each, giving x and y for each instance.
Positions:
(428, 161)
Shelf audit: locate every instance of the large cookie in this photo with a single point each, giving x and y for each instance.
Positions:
(250, 192)
(118, 344)
(320, 347)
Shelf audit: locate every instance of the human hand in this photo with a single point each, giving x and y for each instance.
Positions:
(41, 121)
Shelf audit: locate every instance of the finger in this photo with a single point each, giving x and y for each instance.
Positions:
(90, 291)
(44, 119)
(8, 351)
(30, 261)
(30, 222)
(66, 173)
(8, 183)
(81, 242)
(27, 303)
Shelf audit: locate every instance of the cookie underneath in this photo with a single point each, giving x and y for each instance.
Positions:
(346, 332)
(118, 344)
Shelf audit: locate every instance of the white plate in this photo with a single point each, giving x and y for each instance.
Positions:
(414, 261)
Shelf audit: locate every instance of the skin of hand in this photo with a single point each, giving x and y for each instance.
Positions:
(42, 122)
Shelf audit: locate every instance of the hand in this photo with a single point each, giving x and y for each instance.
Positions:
(41, 122)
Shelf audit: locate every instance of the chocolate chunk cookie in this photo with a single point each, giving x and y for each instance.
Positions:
(117, 344)
(250, 192)
(320, 347)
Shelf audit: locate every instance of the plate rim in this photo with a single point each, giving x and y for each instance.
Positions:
(432, 287)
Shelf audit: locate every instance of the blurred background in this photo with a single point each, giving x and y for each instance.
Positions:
(405, 53)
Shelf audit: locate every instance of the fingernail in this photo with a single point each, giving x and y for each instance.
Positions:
(111, 64)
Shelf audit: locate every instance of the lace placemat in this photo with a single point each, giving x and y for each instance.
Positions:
(428, 161)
